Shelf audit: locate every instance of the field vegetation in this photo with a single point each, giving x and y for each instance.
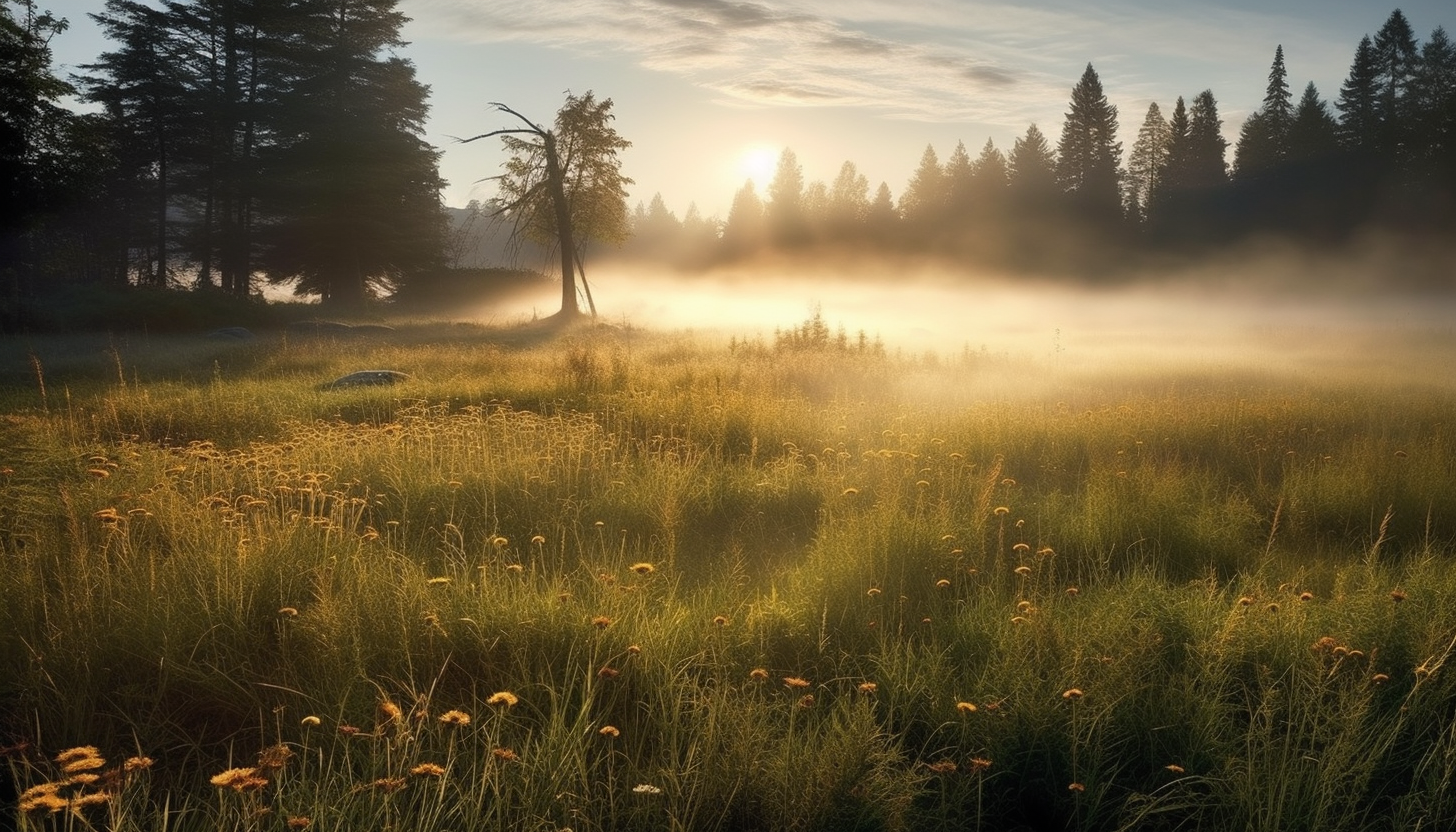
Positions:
(618, 580)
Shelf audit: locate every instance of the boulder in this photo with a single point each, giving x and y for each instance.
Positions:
(367, 378)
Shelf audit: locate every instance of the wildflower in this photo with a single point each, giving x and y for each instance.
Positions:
(646, 788)
(868, 687)
(922, 483)
(273, 758)
(873, 591)
(457, 718)
(966, 707)
(537, 540)
(1072, 693)
(310, 722)
(135, 764)
(1306, 596)
(1273, 607)
(946, 538)
(239, 779)
(942, 583)
(83, 779)
(980, 764)
(1072, 591)
(83, 764)
(506, 755)
(1021, 547)
(1246, 601)
(849, 492)
(92, 799)
(609, 731)
(48, 801)
(348, 730)
(300, 822)
(1016, 619)
(1325, 643)
(1023, 606)
(1380, 678)
(388, 785)
(720, 620)
(427, 770)
(796, 682)
(1023, 571)
(601, 622)
(516, 568)
(1001, 511)
(643, 568)
(634, 650)
(806, 701)
(942, 766)
(1076, 787)
(389, 712)
(80, 752)
(498, 541)
(503, 697)
(758, 674)
(98, 473)
(438, 581)
(1397, 596)
(1176, 769)
(608, 672)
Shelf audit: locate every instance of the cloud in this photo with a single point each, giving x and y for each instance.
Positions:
(929, 60)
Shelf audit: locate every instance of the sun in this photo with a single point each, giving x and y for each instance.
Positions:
(758, 162)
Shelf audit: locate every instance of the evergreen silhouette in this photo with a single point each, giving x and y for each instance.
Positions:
(1089, 153)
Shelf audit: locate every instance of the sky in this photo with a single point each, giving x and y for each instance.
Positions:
(710, 91)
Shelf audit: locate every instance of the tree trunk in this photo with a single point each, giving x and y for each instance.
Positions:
(556, 183)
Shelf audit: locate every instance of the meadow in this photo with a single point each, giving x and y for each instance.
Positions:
(615, 579)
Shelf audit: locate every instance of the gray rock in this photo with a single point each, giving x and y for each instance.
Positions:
(367, 378)
(231, 333)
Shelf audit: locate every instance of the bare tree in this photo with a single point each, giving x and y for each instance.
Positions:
(563, 185)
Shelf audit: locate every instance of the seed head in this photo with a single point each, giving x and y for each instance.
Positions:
(1072, 693)
(457, 718)
(966, 707)
(758, 674)
(796, 682)
(609, 731)
(428, 770)
(504, 698)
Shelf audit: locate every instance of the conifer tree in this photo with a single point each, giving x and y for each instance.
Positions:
(923, 200)
(1147, 161)
(1089, 155)
(849, 198)
(1032, 166)
(1313, 132)
(1359, 100)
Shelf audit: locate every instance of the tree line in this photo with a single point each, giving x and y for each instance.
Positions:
(1382, 156)
(234, 141)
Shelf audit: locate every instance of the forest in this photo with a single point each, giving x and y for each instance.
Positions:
(234, 144)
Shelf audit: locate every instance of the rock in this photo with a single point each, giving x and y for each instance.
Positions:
(232, 333)
(319, 327)
(367, 378)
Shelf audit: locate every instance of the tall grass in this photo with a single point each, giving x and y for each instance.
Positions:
(740, 586)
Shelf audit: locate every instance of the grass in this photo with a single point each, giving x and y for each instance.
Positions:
(213, 564)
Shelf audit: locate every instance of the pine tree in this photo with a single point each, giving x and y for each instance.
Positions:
(849, 199)
(785, 206)
(1396, 61)
(352, 183)
(1277, 107)
(1176, 176)
(1206, 166)
(1147, 161)
(1433, 104)
(1089, 154)
(1359, 100)
(1031, 166)
(959, 184)
(743, 232)
(1264, 137)
(1313, 132)
(923, 200)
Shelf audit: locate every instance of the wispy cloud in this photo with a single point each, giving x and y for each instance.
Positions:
(930, 60)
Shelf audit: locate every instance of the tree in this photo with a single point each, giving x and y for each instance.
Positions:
(1313, 132)
(785, 205)
(32, 134)
(1264, 137)
(1359, 100)
(849, 198)
(1433, 103)
(923, 199)
(564, 185)
(1147, 161)
(353, 188)
(1206, 168)
(743, 232)
(1031, 167)
(959, 183)
(1396, 62)
(1088, 155)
